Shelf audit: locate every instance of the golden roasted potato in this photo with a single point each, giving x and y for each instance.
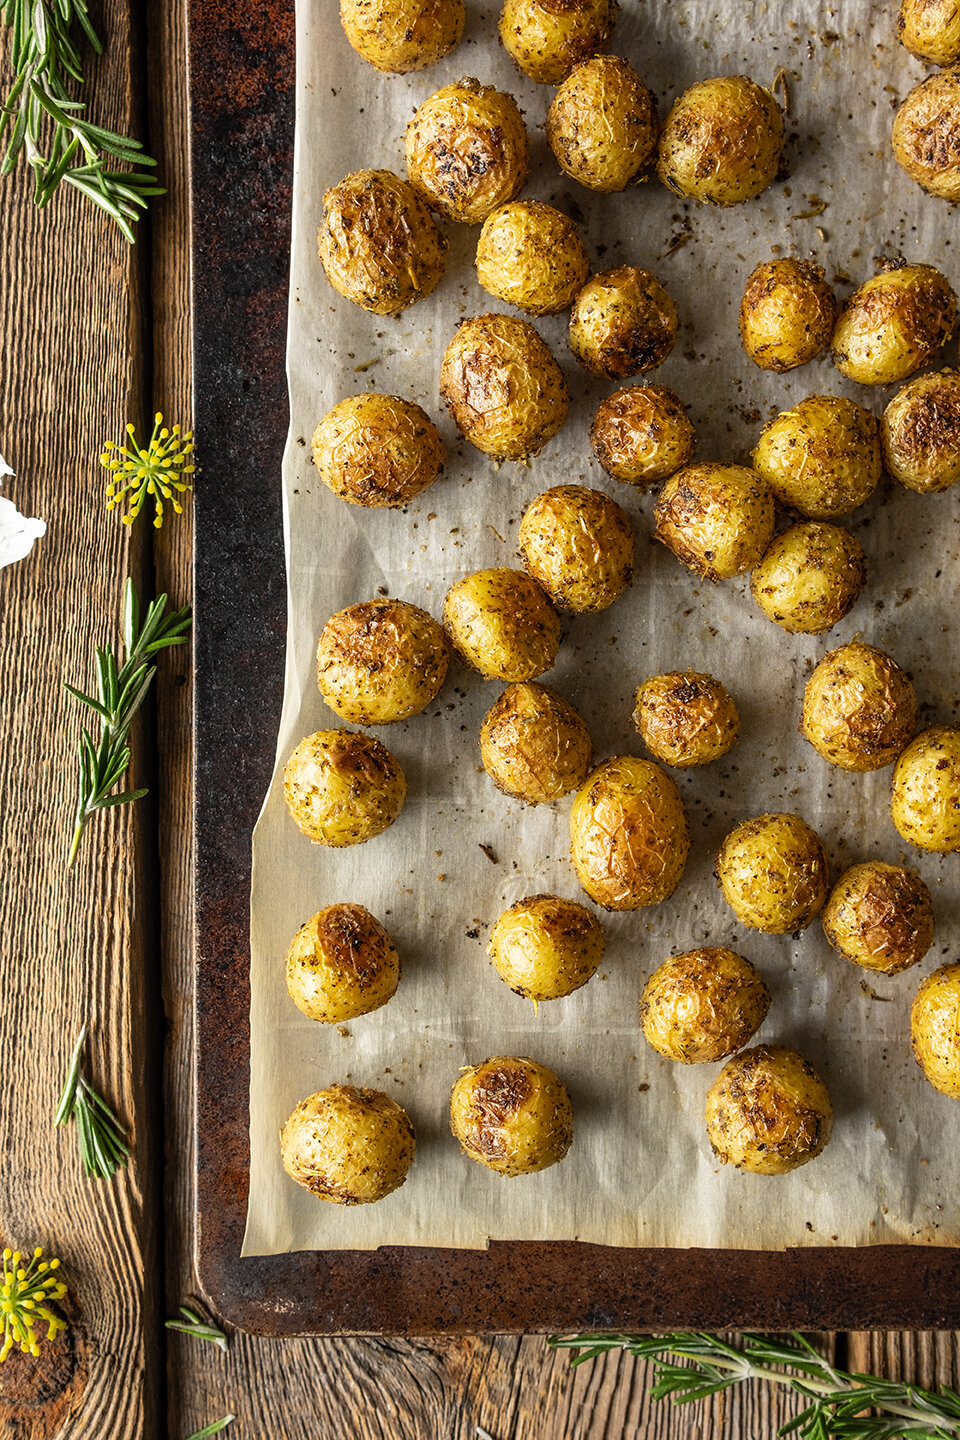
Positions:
(925, 805)
(545, 947)
(622, 322)
(378, 243)
(935, 1029)
(381, 661)
(787, 314)
(717, 519)
(530, 255)
(686, 719)
(577, 543)
(341, 964)
(534, 745)
(343, 788)
(642, 434)
(702, 1006)
(502, 386)
(628, 834)
(859, 708)
(810, 577)
(402, 35)
(822, 457)
(773, 873)
(768, 1111)
(930, 30)
(347, 1145)
(894, 323)
(602, 124)
(721, 141)
(502, 624)
(879, 916)
(467, 150)
(920, 433)
(926, 135)
(512, 1115)
(547, 38)
(377, 450)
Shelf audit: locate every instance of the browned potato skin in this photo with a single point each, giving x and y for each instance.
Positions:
(930, 30)
(822, 457)
(642, 435)
(686, 718)
(381, 661)
(768, 1111)
(530, 255)
(717, 519)
(578, 545)
(622, 323)
(342, 788)
(702, 1006)
(926, 134)
(879, 916)
(534, 745)
(467, 150)
(348, 1145)
(602, 124)
(547, 38)
(773, 873)
(935, 1029)
(502, 386)
(787, 314)
(721, 141)
(512, 1115)
(859, 708)
(341, 964)
(378, 451)
(545, 947)
(502, 624)
(629, 836)
(925, 805)
(810, 577)
(398, 36)
(378, 243)
(920, 433)
(894, 323)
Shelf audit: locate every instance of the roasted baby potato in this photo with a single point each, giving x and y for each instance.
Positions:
(343, 788)
(773, 873)
(341, 964)
(512, 1115)
(768, 1111)
(547, 38)
(502, 386)
(926, 134)
(787, 314)
(717, 519)
(686, 719)
(622, 322)
(702, 1006)
(628, 834)
(502, 624)
(859, 708)
(378, 243)
(935, 1029)
(810, 577)
(930, 30)
(822, 457)
(925, 806)
(920, 433)
(402, 35)
(879, 916)
(347, 1145)
(894, 323)
(534, 745)
(377, 450)
(578, 545)
(467, 150)
(530, 255)
(602, 124)
(642, 435)
(721, 141)
(545, 947)
(381, 661)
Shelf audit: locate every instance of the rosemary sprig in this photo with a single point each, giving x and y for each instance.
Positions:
(192, 1324)
(103, 1146)
(837, 1398)
(121, 690)
(212, 1429)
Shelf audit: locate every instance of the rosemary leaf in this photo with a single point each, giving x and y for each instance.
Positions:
(212, 1429)
(103, 1147)
(193, 1324)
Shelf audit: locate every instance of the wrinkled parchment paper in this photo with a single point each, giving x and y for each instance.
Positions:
(640, 1171)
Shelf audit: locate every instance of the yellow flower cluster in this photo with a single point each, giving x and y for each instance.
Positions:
(24, 1297)
(157, 470)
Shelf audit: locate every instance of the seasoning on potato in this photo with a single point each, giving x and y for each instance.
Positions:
(547, 38)
(787, 314)
(342, 788)
(930, 30)
(935, 1029)
(926, 134)
(602, 124)
(925, 805)
(534, 745)
(810, 577)
(721, 141)
(512, 1115)
(348, 1145)
(773, 873)
(822, 457)
(545, 947)
(467, 150)
(629, 836)
(341, 964)
(502, 386)
(378, 244)
(768, 1111)
(894, 323)
(578, 545)
(642, 435)
(381, 661)
(920, 433)
(702, 1006)
(622, 323)
(530, 255)
(686, 718)
(398, 36)
(879, 916)
(859, 708)
(377, 450)
(717, 519)
(502, 624)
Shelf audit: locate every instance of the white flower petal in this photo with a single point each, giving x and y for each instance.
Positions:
(17, 532)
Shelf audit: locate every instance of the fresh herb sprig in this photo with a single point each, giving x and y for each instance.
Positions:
(200, 1329)
(103, 1145)
(213, 1429)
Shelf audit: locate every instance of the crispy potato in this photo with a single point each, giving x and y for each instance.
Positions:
(702, 1006)
(935, 1029)
(534, 745)
(768, 1111)
(377, 450)
(721, 141)
(547, 38)
(894, 324)
(879, 916)
(859, 708)
(467, 150)
(577, 543)
(686, 718)
(925, 805)
(381, 661)
(642, 434)
(810, 577)
(545, 947)
(773, 873)
(530, 255)
(926, 135)
(502, 386)
(342, 788)
(402, 35)
(502, 624)
(930, 30)
(378, 243)
(623, 322)
(822, 457)
(347, 1145)
(920, 433)
(717, 519)
(512, 1115)
(628, 834)
(341, 964)
(787, 314)
(602, 124)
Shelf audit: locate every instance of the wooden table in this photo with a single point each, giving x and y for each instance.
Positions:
(93, 333)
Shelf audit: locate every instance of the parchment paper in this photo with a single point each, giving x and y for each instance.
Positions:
(640, 1171)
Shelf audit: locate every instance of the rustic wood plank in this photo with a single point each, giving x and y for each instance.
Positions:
(928, 1358)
